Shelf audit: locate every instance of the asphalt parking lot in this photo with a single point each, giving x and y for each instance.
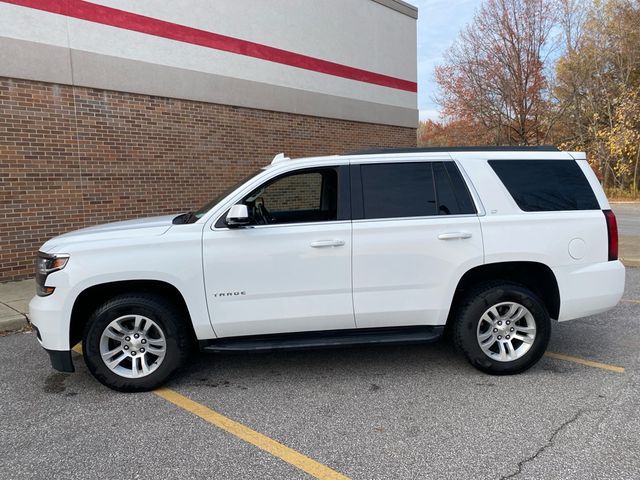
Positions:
(362, 413)
(628, 215)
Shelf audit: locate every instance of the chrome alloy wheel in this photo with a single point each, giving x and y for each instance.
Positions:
(506, 331)
(132, 346)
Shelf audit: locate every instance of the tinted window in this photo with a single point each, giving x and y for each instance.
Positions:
(414, 190)
(452, 194)
(398, 190)
(546, 185)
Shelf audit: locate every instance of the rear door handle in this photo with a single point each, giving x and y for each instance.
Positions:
(327, 243)
(453, 235)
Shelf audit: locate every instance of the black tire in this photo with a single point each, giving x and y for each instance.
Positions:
(166, 316)
(476, 303)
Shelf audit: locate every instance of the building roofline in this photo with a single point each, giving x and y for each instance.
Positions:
(400, 6)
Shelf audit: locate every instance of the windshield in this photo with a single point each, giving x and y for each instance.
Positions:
(201, 211)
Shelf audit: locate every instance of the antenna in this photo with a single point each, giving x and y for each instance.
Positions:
(279, 158)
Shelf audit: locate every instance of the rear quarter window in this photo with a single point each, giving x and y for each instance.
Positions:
(546, 185)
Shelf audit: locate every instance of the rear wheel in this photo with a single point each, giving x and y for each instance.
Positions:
(134, 342)
(502, 328)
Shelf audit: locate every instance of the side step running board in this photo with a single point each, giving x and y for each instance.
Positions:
(327, 339)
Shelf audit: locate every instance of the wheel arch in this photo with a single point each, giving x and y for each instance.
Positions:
(92, 297)
(536, 276)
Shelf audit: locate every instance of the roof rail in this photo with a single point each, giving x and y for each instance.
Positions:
(479, 148)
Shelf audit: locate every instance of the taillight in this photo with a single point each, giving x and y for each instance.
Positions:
(612, 232)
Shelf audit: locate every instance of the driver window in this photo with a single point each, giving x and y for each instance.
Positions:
(296, 192)
(308, 196)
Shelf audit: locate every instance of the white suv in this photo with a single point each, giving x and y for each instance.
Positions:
(378, 247)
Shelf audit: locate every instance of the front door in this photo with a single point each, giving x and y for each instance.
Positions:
(290, 269)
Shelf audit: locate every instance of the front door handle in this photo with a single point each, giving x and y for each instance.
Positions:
(454, 235)
(327, 243)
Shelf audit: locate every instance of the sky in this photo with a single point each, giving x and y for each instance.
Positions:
(439, 22)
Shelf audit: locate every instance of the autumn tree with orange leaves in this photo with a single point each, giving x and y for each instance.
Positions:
(493, 76)
(451, 134)
(597, 92)
(531, 72)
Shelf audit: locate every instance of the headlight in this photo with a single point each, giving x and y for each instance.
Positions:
(46, 264)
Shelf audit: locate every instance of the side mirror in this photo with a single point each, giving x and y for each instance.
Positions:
(238, 216)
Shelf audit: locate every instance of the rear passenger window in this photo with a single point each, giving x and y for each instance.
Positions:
(398, 190)
(546, 185)
(417, 189)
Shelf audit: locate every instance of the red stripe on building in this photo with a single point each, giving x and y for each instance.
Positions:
(160, 28)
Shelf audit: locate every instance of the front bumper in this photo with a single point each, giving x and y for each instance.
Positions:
(47, 315)
(51, 326)
(61, 360)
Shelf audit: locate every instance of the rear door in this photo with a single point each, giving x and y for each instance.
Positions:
(415, 232)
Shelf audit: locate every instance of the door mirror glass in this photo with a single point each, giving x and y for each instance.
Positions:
(238, 216)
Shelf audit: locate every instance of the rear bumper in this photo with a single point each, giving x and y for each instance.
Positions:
(588, 290)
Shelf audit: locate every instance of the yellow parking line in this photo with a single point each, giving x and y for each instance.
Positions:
(630, 300)
(250, 436)
(582, 361)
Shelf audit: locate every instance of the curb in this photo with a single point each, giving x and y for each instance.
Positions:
(14, 322)
(630, 262)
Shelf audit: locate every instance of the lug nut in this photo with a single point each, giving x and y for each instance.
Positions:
(136, 336)
(143, 341)
(508, 322)
(142, 350)
(495, 330)
(128, 339)
(507, 337)
(511, 329)
(499, 337)
(133, 353)
(126, 347)
(499, 322)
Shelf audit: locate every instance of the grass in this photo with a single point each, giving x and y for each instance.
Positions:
(621, 195)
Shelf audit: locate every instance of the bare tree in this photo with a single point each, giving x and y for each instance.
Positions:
(493, 76)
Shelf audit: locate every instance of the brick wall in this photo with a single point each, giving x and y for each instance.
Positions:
(72, 157)
(296, 192)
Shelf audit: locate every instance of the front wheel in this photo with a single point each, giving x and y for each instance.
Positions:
(502, 328)
(134, 342)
